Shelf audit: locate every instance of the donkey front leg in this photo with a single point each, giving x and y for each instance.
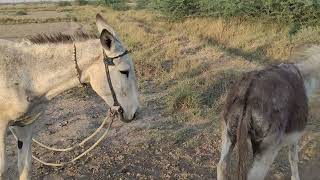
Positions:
(24, 135)
(225, 159)
(294, 159)
(3, 156)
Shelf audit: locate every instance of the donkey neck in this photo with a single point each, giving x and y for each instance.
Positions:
(53, 69)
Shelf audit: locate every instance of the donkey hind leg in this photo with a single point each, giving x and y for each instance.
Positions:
(24, 135)
(226, 152)
(262, 162)
(294, 159)
(3, 156)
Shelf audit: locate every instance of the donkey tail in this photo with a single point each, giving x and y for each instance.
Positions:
(242, 135)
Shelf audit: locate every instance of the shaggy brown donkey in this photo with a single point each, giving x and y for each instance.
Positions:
(266, 110)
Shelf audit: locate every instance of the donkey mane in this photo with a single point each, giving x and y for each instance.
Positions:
(60, 38)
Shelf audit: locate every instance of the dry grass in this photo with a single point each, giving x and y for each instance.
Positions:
(21, 13)
(10, 21)
(12, 14)
(197, 49)
(194, 50)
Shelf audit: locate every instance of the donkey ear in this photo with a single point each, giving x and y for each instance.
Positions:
(107, 40)
(102, 24)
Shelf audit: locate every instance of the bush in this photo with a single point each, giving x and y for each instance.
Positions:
(142, 4)
(120, 5)
(95, 2)
(302, 12)
(184, 98)
(81, 2)
(178, 8)
(21, 13)
(64, 3)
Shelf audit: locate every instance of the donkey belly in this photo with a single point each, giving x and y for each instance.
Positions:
(21, 109)
(12, 105)
(17, 102)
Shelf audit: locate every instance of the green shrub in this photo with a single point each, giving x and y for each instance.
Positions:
(120, 5)
(81, 2)
(64, 3)
(93, 2)
(178, 8)
(184, 98)
(301, 12)
(142, 4)
(21, 13)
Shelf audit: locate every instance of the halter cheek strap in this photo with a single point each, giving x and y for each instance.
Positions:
(108, 61)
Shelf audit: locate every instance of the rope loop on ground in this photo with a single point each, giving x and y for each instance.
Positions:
(75, 146)
(112, 115)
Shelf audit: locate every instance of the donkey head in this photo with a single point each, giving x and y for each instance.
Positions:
(121, 71)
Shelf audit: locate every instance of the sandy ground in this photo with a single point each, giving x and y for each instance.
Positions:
(133, 151)
(34, 15)
(19, 31)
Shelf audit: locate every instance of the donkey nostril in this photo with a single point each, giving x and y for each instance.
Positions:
(125, 73)
(134, 115)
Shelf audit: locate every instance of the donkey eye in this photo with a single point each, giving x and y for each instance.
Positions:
(125, 73)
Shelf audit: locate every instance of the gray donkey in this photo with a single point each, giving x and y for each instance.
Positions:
(266, 110)
(33, 73)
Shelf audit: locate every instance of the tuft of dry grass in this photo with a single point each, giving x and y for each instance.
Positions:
(6, 21)
(184, 99)
(21, 13)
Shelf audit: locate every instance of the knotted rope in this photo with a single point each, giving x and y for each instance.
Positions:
(112, 114)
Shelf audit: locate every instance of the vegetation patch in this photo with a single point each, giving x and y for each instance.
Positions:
(81, 2)
(184, 99)
(184, 135)
(21, 13)
(296, 13)
(142, 4)
(299, 11)
(120, 5)
(178, 8)
(64, 3)
(216, 88)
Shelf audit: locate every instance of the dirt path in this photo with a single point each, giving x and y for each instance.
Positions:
(18, 31)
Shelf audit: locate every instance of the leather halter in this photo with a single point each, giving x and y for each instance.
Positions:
(108, 61)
